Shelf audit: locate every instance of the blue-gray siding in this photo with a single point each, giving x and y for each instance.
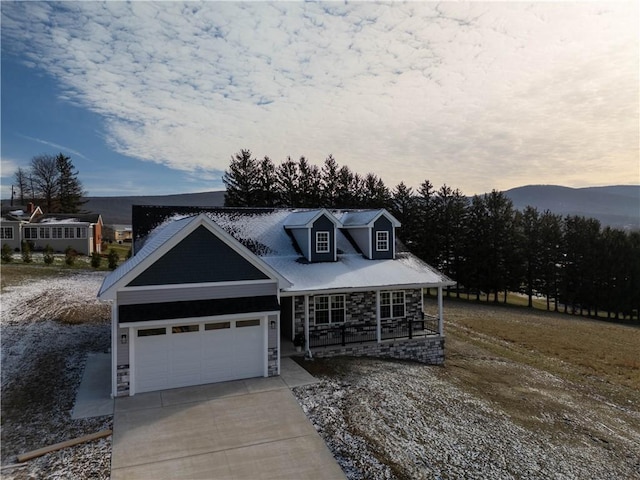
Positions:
(382, 224)
(323, 224)
(201, 257)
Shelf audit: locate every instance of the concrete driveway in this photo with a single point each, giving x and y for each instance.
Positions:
(246, 429)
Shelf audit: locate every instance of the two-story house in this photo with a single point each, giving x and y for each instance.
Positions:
(211, 294)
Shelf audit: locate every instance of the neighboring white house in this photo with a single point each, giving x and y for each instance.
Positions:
(211, 293)
(82, 232)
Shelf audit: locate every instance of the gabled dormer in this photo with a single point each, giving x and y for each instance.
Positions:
(373, 231)
(314, 231)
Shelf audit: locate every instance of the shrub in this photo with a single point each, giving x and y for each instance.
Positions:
(129, 253)
(6, 253)
(70, 255)
(26, 252)
(113, 258)
(96, 260)
(48, 255)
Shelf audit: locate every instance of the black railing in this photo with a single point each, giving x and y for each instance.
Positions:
(346, 333)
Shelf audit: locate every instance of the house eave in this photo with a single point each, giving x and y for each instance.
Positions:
(364, 288)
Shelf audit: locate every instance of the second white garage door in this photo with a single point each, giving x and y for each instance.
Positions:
(198, 353)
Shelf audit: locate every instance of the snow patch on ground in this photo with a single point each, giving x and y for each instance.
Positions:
(385, 419)
(48, 328)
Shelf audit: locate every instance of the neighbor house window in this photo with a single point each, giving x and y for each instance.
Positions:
(69, 232)
(322, 242)
(56, 232)
(382, 241)
(329, 309)
(6, 233)
(392, 304)
(30, 233)
(45, 232)
(81, 232)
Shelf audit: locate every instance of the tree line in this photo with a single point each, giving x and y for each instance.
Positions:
(52, 181)
(483, 243)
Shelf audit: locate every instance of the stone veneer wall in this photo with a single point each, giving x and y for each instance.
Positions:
(272, 362)
(123, 379)
(360, 307)
(429, 350)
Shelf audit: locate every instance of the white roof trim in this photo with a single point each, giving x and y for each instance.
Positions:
(138, 265)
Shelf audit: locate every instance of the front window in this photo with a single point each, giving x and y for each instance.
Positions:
(45, 232)
(69, 232)
(382, 241)
(81, 232)
(56, 232)
(392, 304)
(6, 233)
(322, 242)
(329, 309)
(30, 233)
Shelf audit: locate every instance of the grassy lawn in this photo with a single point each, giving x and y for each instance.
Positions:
(542, 365)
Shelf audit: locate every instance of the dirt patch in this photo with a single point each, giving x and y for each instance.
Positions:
(43, 358)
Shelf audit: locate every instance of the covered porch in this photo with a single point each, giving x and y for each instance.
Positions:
(364, 323)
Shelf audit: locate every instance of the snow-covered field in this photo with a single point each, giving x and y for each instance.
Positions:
(49, 325)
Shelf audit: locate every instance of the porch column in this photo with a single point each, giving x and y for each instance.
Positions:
(440, 313)
(306, 322)
(378, 328)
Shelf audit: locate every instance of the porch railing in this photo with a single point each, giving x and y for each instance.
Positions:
(354, 332)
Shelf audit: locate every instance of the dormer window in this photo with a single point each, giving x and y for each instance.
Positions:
(322, 242)
(382, 241)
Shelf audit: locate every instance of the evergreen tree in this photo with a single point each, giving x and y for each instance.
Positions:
(70, 190)
(375, 194)
(287, 178)
(241, 180)
(328, 185)
(403, 207)
(425, 239)
(550, 256)
(345, 188)
(267, 184)
(309, 184)
(477, 247)
(528, 230)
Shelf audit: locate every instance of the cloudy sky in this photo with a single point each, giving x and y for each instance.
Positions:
(154, 98)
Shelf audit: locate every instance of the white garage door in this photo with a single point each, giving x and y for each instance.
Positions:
(198, 353)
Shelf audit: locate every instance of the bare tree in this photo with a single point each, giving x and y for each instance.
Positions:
(45, 173)
(23, 183)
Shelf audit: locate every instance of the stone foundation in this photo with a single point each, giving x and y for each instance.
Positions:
(123, 380)
(429, 350)
(272, 362)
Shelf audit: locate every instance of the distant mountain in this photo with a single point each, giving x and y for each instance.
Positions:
(117, 210)
(617, 206)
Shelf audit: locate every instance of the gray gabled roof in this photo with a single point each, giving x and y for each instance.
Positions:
(305, 218)
(366, 218)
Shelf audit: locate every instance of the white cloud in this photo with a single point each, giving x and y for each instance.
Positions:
(476, 95)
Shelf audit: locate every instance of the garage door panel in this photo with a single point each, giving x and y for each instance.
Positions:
(152, 363)
(214, 352)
